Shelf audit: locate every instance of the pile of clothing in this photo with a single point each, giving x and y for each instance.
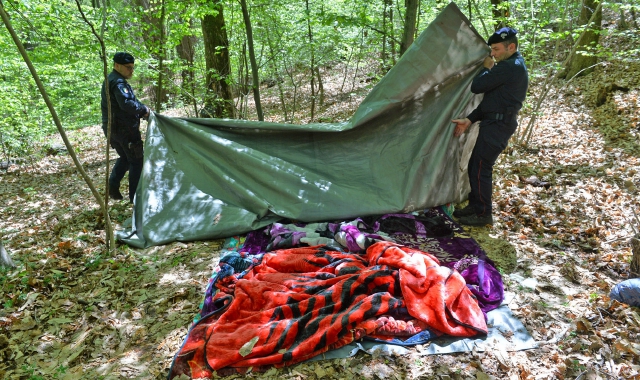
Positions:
(290, 292)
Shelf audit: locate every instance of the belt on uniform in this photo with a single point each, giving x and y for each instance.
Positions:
(494, 116)
(499, 116)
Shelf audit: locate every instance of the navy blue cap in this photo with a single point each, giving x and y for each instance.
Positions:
(123, 58)
(502, 35)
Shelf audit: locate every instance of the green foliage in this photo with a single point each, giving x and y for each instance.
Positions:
(60, 50)
(67, 55)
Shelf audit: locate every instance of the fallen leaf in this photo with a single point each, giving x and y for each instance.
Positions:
(248, 347)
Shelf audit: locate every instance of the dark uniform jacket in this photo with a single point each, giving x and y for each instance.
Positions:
(504, 87)
(125, 108)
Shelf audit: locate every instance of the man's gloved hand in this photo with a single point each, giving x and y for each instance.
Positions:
(146, 115)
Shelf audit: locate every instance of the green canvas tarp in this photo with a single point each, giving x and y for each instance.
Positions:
(213, 178)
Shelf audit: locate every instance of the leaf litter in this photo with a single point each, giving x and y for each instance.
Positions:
(71, 311)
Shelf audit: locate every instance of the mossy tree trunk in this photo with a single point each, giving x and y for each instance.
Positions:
(219, 98)
(410, 18)
(252, 58)
(582, 56)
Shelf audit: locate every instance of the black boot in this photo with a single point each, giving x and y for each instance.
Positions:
(476, 220)
(114, 193)
(467, 211)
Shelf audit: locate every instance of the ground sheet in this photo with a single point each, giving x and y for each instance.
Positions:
(291, 292)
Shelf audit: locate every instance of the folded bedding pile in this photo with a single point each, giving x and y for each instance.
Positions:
(279, 299)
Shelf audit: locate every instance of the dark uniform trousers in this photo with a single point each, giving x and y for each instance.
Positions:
(130, 158)
(492, 140)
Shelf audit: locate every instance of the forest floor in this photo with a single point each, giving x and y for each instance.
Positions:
(565, 206)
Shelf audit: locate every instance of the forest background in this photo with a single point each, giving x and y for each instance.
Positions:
(204, 56)
(300, 62)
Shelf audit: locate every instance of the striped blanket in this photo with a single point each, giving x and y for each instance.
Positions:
(294, 304)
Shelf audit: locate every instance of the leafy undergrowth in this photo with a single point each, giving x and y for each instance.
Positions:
(565, 205)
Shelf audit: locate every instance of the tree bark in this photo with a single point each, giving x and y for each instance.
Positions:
(410, 18)
(252, 58)
(161, 95)
(218, 100)
(500, 12)
(313, 76)
(186, 52)
(386, 14)
(580, 60)
(635, 259)
(154, 42)
(393, 40)
(98, 4)
(275, 73)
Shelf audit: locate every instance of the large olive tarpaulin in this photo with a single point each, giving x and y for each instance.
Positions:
(212, 178)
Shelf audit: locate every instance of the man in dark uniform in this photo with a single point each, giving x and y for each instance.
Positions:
(126, 112)
(504, 83)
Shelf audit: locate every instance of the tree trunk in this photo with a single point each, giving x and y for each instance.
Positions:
(500, 12)
(409, 24)
(274, 71)
(386, 14)
(218, 100)
(622, 21)
(313, 76)
(383, 55)
(161, 95)
(320, 88)
(98, 3)
(186, 52)
(393, 40)
(110, 236)
(252, 58)
(580, 60)
(152, 15)
(635, 259)
(241, 90)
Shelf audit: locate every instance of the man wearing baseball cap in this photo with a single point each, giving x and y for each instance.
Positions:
(126, 112)
(504, 81)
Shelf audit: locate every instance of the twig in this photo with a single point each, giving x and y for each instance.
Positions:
(618, 239)
(48, 102)
(635, 231)
(637, 221)
(605, 373)
(601, 319)
(528, 131)
(555, 339)
(596, 370)
(475, 5)
(582, 373)
(605, 311)
(110, 237)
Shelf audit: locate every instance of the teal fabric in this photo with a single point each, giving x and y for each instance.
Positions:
(213, 178)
